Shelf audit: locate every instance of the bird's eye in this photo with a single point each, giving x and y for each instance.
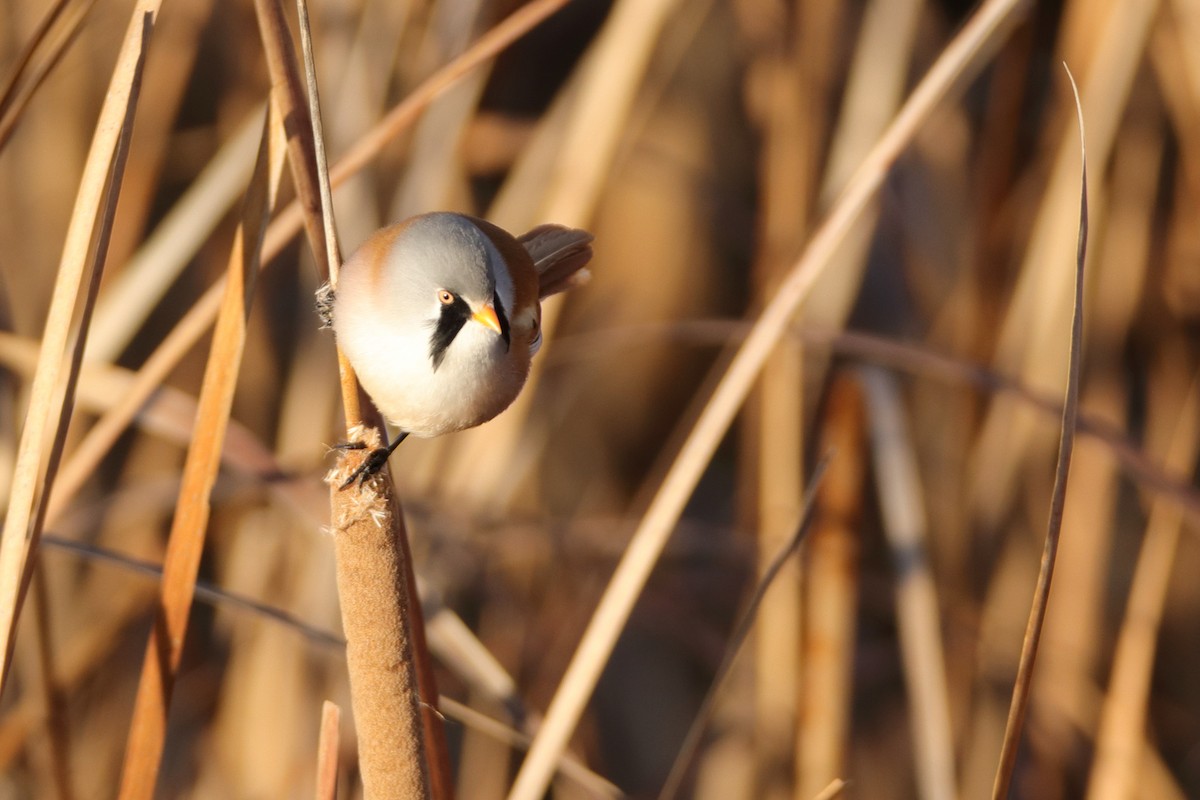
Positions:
(445, 297)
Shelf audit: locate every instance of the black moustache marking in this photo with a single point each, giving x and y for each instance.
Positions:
(452, 318)
(505, 334)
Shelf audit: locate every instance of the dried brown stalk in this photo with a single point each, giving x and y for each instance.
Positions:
(186, 544)
(52, 395)
(392, 689)
(831, 591)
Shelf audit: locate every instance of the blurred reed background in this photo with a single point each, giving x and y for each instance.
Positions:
(702, 141)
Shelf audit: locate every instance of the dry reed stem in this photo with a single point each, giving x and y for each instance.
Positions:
(186, 543)
(1082, 712)
(1037, 612)
(386, 651)
(831, 591)
(327, 752)
(52, 394)
(741, 630)
(16, 97)
(175, 345)
(287, 91)
(919, 361)
(875, 86)
(434, 176)
(373, 589)
(570, 767)
(898, 485)
(960, 56)
(1177, 66)
(331, 260)
(1121, 738)
(776, 468)
(1169, 57)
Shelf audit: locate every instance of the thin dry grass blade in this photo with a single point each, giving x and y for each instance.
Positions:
(186, 544)
(333, 254)
(1037, 613)
(1037, 312)
(327, 752)
(571, 767)
(962, 55)
(691, 742)
(52, 394)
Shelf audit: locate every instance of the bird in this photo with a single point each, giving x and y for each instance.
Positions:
(440, 317)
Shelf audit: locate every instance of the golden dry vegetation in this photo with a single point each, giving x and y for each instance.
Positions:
(725, 156)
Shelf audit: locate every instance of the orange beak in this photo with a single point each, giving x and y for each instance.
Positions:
(486, 317)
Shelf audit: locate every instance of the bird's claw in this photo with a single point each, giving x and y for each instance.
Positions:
(369, 467)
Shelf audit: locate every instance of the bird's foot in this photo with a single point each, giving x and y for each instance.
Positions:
(370, 465)
(374, 461)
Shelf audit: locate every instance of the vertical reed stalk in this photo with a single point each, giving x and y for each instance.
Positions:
(185, 546)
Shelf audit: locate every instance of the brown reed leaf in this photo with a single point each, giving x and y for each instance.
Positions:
(1041, 598)
(186, 543)
(52, 395)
